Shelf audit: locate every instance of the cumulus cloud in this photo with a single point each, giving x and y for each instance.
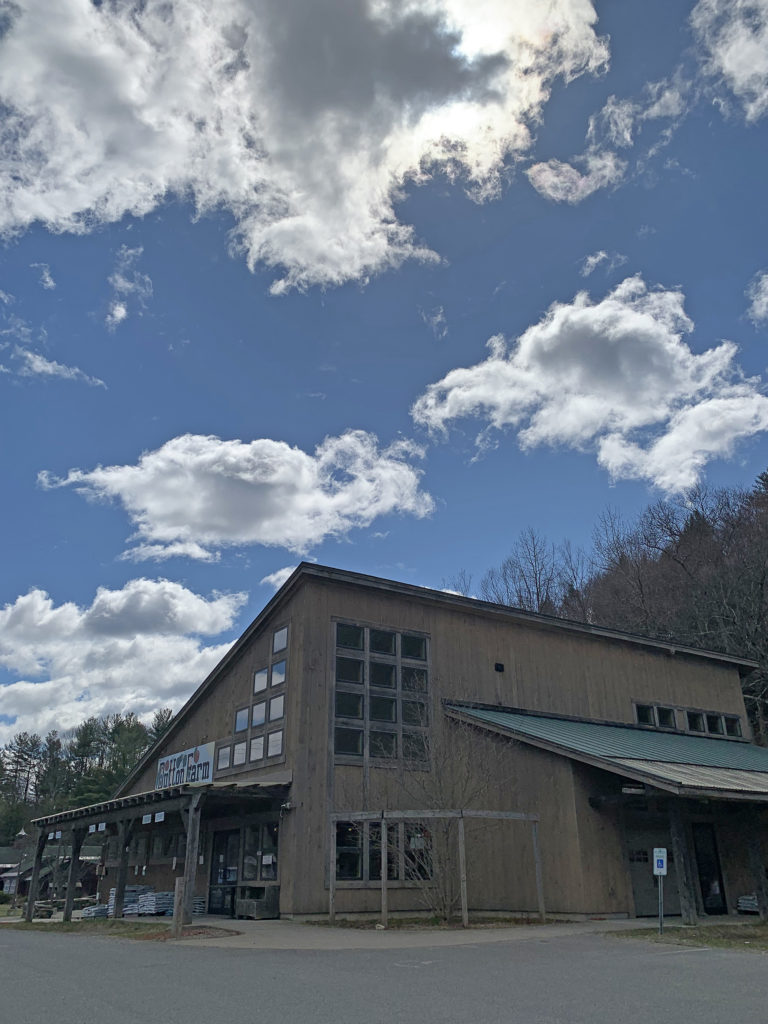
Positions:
(757, 293)
(128, 284)
(197, 494)
(734, 37)
(303, 121)
(46, 280)
(614, 376)
(277, 578)
(134, 649)
(32, 364)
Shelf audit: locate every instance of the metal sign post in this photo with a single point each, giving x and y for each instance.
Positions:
(660, 870)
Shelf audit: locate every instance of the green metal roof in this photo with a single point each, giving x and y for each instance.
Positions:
(618, 741)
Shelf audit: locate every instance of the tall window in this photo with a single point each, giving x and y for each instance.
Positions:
(381, 705)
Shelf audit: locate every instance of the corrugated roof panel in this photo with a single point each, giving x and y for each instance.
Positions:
(616, 741)
(696, 776)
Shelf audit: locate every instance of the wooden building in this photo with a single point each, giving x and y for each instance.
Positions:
(356, 713)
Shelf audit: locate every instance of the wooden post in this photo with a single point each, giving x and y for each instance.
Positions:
(178, 907)
(756, 862)
(684, 864)
(124, 834)
(332, 874)
(74, 870)
(192, 854)
(34, 880)
(384, 873)
(463, 875)
(537, 868)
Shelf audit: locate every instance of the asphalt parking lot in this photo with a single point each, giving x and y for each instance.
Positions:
(549, 978)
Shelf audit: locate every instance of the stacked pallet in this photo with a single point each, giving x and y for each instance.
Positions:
(747, 904)
(130, 899)
(156, 903)
(97, 910)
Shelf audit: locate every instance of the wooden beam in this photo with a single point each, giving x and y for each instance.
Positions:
(384, 873)
(178, 907)
(74, 870)
(34, 881)
(537, 869)
(192, 854)
(751, 834)
(124, 834)
(684, 863)
(332, 871)
(463, 875)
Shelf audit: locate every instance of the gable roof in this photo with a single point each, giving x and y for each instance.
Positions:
(324, 573)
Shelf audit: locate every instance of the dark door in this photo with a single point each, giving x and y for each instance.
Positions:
(225, 864)
(708, 863)
(645, 885)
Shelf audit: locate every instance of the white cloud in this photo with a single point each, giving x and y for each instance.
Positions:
(757, 293)
(35, 365)
(277, 578)
(127, 283)
(135, 649)
(734, 35)
(6, 298)
(563, 183)
(46, 280)
(592, 262)
(196, 494)
(613, 376)
(435, 320)
(304, 121)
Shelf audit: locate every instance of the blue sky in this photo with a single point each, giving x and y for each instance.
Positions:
(252, 260)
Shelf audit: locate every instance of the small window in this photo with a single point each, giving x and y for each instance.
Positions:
(383, 709)
(260, 680)
(275, 743)
(414, 679)
(414, 712)
(349, 670)
(732, 726)
(238, 754)
(414, 746)
(258, 713)
(383, 744)
(257, 748)
(382, 642)
(223, 758)
(241, 720)
(349, 705)
(644, 714)
(276, 708)
(696, 722)
(413, 647)
(349, 741)
(278, 673)
(349, 636)
(666, 718)
(383, 675)
(715, 724)
(280, 640)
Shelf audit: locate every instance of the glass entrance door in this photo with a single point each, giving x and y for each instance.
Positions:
(225, 864)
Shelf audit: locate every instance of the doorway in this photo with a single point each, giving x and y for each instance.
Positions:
(708, 864)
(225, 865)
(645, 885)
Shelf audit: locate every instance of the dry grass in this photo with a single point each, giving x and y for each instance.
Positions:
(117, 929)
(751, 937)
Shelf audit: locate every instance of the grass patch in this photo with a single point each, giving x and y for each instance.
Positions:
(430, 923)
(118, 929)
(748, 937)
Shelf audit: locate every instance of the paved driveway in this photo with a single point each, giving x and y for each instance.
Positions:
(547, 979)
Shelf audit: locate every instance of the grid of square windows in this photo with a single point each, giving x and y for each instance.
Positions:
(381, 685)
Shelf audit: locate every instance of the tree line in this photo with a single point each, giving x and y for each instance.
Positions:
(43, 775)
(690, 570)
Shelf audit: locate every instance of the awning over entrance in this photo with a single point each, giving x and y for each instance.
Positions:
(690, 766)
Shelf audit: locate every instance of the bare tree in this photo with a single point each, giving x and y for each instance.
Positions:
(528, 578)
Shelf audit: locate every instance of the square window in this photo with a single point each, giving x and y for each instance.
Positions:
(259, 713)
(241, 720)
(383, 675)
(383, 709)
(238, 754)
(349, 705)
(696, 721)
(349, 636)
(645, 714)
(715, 724)
(414, 746)
(275, 743)
(276, 706)
(414, 712)
(257, 748)
(260, 680)
(383, 744)
(382, 642)
(666, 718)
(280, 640)
(223, 757)
(349, 670)
(413, 647)
(278, 673)
(732, 726)
(349, 741)
(414, 679)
